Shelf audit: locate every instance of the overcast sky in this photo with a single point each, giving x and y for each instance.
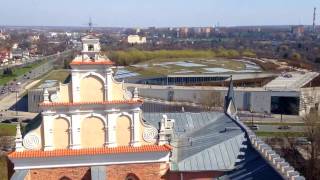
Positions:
(160, 13)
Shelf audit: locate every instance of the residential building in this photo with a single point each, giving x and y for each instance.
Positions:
(136, 39)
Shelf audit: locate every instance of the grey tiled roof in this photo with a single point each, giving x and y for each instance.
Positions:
(203, 141)
(252, 166)
(212, 141)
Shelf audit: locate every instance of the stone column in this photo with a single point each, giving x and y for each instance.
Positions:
(75, 132)
(48, 132)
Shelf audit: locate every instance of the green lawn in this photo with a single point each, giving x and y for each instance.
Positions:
(7, 129)
(156, 68)
(19, 71)
(279, 134)
(59, 75)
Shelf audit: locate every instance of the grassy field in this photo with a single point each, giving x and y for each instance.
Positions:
(134, 56)
(7, 129)
(18, 72)
(59, 75)
(279, 134)
(158, 67)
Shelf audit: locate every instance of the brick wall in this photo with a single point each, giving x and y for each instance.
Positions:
(193, 175)
(143, 171)
(74, 173)
(152, 171)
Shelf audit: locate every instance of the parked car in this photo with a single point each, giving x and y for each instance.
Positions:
(284, 127)
(302, 141)
(254, 127)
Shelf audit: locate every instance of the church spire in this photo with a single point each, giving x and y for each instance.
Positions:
(230, 94)
(229, 102)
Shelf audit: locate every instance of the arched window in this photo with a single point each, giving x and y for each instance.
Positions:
(132, 176)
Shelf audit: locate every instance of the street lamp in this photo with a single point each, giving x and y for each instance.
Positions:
(17, 90)
(251, 111)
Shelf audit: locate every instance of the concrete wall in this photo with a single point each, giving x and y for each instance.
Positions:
(257, 101)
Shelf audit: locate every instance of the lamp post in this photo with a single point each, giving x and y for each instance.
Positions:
(251, 111)
(17, 90)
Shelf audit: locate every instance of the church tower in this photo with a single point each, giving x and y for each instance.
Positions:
(90, 48)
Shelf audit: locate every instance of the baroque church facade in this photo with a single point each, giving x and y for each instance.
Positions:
(93, 120)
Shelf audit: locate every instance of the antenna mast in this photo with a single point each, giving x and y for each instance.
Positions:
(314, 19)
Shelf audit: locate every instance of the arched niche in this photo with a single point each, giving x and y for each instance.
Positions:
(91, 89)
(92, 132)
(61, 136)
(123, 130)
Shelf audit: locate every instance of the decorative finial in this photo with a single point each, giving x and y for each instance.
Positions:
(166, 129)
(18, 140)
(135, 94)
(162, 134)
(45, 95)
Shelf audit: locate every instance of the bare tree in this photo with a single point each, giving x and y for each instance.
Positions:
(211, 100)
(312, 131)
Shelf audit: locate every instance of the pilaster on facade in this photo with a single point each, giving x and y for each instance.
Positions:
(105, 129)
(75, 86)
(48, 132)
(75, 133)
(136, 141)
(111, 137)
(70, 137)
(108, 85)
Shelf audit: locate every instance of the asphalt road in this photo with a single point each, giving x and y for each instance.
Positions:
(33, 74)
(275, 128)
(26, 81)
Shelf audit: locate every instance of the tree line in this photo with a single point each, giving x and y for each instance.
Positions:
(133, 56)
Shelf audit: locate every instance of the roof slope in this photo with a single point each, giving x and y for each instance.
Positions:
(212, 141)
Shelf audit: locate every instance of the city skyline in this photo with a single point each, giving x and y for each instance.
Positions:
(177, 13)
